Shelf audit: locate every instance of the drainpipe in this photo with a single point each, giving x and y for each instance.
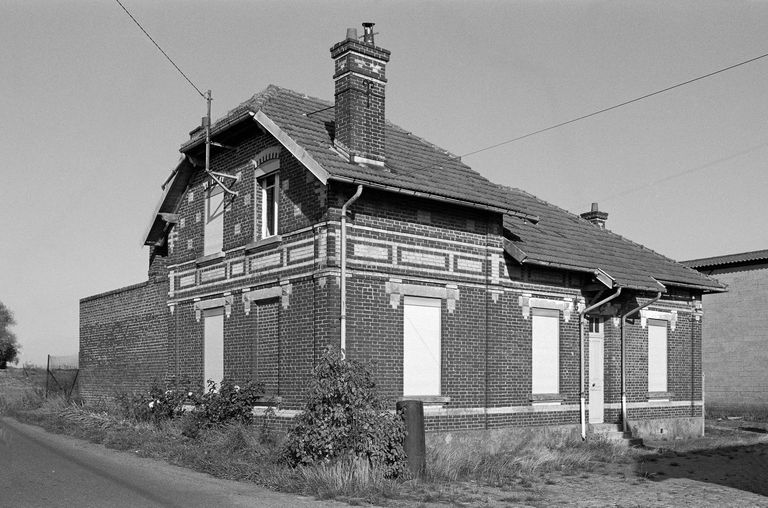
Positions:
(623, 360)
(343, 262)
(582, 402)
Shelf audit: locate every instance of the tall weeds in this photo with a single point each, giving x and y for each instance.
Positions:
(349, 477)
(521, 458)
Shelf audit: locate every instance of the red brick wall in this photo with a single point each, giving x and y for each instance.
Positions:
(393, 240)
(123, 336)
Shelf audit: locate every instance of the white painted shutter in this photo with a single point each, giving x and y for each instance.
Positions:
(545, 355)
(421, 346)
(213, 236)
(657, 355)
(213, 351)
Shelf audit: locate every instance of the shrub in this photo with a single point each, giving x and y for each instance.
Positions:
(231, 403)
(156, 404)
(345, 417)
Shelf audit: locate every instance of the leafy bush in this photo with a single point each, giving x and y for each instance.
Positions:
(231, 403)
(156, 404)
(345, 417)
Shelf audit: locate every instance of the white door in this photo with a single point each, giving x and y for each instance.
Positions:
(596, 385)
(213, 350)
(421, 346)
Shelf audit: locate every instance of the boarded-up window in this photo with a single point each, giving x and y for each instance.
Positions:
(213, 350)
(657, 355)
(213, 235)
(421, 346)
(545, 354)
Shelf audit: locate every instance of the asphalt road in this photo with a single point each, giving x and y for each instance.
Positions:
(38, 469)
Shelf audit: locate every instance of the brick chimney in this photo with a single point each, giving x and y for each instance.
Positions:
(359, 93)
(595, 216)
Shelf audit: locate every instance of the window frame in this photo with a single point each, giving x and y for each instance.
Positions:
(425, 302)
(655, 353)
(269, 169)
(540, 381)
(213, 226)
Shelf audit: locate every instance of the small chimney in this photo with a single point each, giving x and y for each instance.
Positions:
(595, 216)
(360, 81)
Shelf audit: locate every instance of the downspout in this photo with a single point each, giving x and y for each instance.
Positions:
(582, 402)
(623, 360)
(343, 262)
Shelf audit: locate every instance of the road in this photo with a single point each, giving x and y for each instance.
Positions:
(38, 469)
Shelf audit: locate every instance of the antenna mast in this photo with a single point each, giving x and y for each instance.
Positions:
(216, 177)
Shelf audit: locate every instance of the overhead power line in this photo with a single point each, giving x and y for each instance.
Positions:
(622, 104)
(598, 112)
(161, 49)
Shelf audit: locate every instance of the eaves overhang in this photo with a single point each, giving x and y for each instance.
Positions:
(164, 215)
(600, 274)
(720, 288)
(434, 196)
(219, 127)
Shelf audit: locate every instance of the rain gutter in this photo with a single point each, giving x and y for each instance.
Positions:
(343, 262)
(582, 403)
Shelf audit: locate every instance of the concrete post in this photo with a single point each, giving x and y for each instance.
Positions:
(414, 444)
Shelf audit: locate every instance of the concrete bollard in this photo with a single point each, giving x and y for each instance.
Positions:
(414, 444)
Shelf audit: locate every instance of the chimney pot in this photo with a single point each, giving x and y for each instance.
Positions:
(352, 33)
(595, 216)
(368, 33)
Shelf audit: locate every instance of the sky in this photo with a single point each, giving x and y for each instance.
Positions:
(93, 116)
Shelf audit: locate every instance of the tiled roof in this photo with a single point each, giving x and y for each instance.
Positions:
(540, 232)
(731, 259)
(411, 162)
(563, 238)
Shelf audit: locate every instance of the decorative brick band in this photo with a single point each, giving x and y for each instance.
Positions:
(657, 404)
(670, 316)
(260, 294)
(225, 301)
(395, 289)
(566, 305)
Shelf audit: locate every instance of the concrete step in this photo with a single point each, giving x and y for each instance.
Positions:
(614, 432)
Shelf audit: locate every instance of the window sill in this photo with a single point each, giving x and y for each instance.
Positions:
(659, 396)
(263, 243)
(267, 401)
(546, 398)
(209, 259)
(426, 399)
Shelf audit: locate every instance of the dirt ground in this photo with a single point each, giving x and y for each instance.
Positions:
(729, 467)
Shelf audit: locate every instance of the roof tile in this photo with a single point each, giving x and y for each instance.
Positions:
(414, 164)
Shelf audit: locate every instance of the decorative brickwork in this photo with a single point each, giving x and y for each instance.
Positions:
(280, 294)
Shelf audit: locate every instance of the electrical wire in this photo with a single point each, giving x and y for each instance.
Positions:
(161, 49)
(598, 112)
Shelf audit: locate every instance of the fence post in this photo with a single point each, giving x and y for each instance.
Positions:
(47, 372)
(414, 444)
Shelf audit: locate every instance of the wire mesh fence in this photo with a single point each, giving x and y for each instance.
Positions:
(61, 375)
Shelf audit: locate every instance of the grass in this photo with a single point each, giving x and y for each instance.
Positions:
(523, 460)
(517, 469)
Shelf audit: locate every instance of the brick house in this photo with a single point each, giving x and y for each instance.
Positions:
(735, 334)
(492, 306)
